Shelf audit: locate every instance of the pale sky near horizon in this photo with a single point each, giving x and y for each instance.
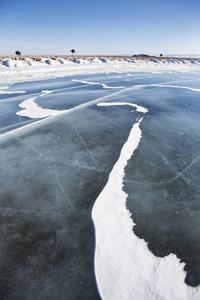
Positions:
(93, 27)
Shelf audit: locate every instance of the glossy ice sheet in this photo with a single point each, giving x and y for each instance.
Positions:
(53, 171)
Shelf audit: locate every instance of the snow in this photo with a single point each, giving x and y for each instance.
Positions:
(9, 92)
(105, 86)
(138, 107)
(124, 266)
(30, 69)
(32, 110)
(176, 86)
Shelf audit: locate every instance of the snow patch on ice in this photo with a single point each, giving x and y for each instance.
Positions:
(10, 92)
(138, 107)
(124, 266)
(105, 86)
(175, 86)
(5, 87)
(32, 110)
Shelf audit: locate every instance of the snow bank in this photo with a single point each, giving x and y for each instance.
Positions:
(43, 68)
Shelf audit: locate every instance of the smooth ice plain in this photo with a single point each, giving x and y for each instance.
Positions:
(61, 142)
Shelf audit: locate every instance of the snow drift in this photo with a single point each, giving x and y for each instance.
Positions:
(43, 68)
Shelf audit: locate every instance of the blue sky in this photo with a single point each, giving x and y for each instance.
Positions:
(99, 27)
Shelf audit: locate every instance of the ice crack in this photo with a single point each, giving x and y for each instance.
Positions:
(30, 147)
(61, 187)
(86, 147)
(185, 170)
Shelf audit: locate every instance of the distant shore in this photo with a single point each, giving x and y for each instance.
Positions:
(111, 57)
(26, 68)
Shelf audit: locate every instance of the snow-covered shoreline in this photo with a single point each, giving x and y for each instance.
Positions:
(26, 69)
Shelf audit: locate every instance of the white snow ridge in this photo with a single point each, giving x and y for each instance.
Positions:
(31, 68)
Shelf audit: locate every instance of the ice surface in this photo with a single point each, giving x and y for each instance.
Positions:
(53, 170)
(45, 167)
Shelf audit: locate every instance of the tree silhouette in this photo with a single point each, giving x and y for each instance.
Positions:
(72, 51)
(17, 52)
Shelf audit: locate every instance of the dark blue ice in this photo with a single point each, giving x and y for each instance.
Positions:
(52, 173)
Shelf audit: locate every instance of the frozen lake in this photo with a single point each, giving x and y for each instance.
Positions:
(57, 151)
